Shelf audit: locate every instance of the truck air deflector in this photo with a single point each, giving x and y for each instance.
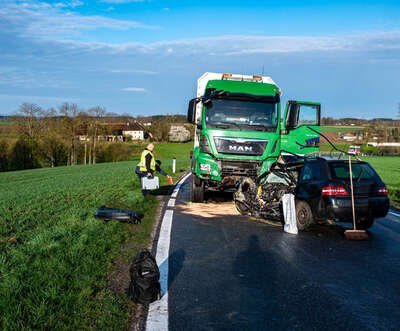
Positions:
(240, 146)
(212, 93)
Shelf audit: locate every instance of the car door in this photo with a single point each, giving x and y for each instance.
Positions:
(300, 127)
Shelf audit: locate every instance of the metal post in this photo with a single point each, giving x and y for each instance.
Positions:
(173, 165)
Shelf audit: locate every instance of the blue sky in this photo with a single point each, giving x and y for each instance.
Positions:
(143, 57)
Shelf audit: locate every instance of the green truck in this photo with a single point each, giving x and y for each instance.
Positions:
(239, 130)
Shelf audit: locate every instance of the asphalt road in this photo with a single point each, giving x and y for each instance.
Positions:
(228, 272)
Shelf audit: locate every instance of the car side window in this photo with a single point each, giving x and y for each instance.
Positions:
(311, 171)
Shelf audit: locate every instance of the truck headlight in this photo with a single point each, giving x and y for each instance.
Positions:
(205, 167)
(204, 147)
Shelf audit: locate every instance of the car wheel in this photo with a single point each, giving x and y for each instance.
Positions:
(304, 216)
(365, 223)
(197, 189)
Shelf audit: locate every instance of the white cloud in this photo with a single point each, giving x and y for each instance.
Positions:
(134, 89)
(69, 4)
(39, 20)
(121, 1)
(27, 78)
(133, 71)
(250, 45)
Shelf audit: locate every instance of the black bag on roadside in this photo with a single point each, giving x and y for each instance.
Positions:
(144, 287)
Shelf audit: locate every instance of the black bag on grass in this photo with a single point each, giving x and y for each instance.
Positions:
(144, 287)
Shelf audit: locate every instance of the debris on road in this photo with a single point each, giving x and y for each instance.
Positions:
(121, 215)
(209, 210)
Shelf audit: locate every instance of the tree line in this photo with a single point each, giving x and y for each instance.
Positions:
(67, 135)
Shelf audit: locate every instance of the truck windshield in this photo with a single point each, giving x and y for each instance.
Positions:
(242, 115)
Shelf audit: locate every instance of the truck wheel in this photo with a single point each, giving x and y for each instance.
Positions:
(365, 224)
(197, 189)
(304, 216)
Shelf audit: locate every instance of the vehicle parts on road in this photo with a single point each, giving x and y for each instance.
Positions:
(108, 214)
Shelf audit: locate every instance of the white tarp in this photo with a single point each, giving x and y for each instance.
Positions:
(289, 214)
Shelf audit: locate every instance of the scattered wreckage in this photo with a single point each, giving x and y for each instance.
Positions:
(263, 198)
(325, 190)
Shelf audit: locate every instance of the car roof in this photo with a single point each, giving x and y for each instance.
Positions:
(333, 160)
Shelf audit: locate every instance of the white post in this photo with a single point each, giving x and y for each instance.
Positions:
(173, 165)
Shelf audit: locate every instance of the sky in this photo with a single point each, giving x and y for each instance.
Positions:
(143, 57)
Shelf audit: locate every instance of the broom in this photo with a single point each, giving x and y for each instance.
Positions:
(354, 234)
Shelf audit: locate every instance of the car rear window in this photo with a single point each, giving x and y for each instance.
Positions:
(360, 171)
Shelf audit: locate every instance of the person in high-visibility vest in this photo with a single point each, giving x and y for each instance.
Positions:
(148, 164)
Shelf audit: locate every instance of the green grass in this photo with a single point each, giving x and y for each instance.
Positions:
(388, 168)
(56, 260)
(7, 123)
(327, 128)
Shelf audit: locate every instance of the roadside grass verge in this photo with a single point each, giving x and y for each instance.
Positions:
(55, 258)
(388, 168)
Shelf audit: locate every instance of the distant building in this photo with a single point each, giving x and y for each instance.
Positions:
(133, 130)
(178, 133)
(348, 137)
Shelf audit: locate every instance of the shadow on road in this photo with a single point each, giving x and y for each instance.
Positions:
(170, 268)
(162, 190)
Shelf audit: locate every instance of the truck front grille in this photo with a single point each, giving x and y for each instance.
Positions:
(239, 168)
(240, 146)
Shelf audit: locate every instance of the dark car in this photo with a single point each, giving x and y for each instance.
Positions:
(323, 193)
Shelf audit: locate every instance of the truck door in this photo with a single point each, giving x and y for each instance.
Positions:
(299, 120)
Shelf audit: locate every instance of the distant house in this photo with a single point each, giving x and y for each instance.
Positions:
(133, 130)
(348, 137)
(178, 133)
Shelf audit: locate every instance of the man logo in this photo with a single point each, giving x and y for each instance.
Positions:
(236, 148)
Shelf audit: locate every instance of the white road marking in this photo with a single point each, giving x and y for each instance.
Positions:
(157, 318)
(395, 214)
(178, 186)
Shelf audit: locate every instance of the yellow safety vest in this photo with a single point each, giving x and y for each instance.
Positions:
(142, 163)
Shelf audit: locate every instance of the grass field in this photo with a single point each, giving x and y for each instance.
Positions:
(56, 260)
(327, 128)
(388, 168)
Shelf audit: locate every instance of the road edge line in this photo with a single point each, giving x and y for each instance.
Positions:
(157, 317)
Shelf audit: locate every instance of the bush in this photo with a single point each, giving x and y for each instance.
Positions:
(3, 155)
(115, 152)
(24, 155)
(370, 150)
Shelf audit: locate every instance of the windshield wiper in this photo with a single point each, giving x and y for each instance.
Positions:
(226, 125)
(256, 127)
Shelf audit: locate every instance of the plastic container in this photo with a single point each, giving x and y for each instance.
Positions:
(150, 183)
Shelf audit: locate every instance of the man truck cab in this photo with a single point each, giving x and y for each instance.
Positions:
(239, 132)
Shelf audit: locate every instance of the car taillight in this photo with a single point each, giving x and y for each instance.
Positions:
(382, 191)
(332, 190)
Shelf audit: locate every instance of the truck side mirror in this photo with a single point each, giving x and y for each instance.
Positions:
(191, 114)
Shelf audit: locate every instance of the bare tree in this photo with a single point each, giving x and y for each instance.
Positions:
(30, 123)
(69, 111)
(52, 141)
(97, 114)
